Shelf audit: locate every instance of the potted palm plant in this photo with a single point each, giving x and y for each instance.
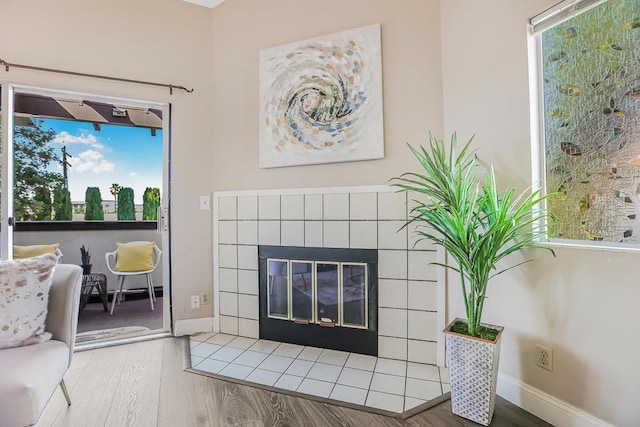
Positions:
(479, 226)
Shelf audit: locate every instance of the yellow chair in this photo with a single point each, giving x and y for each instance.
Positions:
(133, 259)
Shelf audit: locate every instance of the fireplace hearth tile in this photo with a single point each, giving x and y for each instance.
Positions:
(247, 257)
(242, 343)
(388, 402)
(392, 264)
(228, 280)
(251, 358)
(288, 350)
(205, 349)
(221, 339)
(411, 402)
(361, 361)
(391, 367)
(289, 382)
(310, 353)
(229, 304)
(261, 376)
(423, 325)
(229, 325)
(349, 394)
(444, 375)
(423, 372)
(248, 282)
(265, 346)
(355, 378)
(392, 293)
(392, 348)
(422, 352)
(323, 371)
(195, 360)
(316, 387)
(248, 328)
(227, 354)
(387, 383)
(236, 371)
(446, 388)
(333, 357)
(211, 365)
(299, 368)
(276, 363)
(421, 389)
(423, 295)
(202, 337)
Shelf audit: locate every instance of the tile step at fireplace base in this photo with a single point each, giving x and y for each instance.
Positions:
(387, 386)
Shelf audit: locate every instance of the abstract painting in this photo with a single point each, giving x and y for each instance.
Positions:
(321, 100)
(591, 84)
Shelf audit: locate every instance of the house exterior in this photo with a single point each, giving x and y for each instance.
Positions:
(448, 66)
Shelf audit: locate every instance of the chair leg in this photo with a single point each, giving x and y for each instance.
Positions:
(150, 286)
(63, 387)
(117, 294)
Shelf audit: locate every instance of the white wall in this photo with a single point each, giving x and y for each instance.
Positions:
(583, 303)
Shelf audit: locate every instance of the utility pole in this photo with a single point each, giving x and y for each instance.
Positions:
(65, 165)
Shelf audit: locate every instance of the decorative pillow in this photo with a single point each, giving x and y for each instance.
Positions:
(134, 256)
(24, 295)
(21, 252)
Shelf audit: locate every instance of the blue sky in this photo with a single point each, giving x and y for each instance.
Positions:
(125, 155)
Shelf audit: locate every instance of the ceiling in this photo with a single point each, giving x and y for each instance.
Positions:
(206, 3)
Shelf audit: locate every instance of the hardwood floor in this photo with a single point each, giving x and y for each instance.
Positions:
(144, 384)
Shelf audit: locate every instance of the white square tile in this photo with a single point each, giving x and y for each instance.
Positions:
(248, 306)
(221, 339)
(248, 282)
(299, 367)
(364, 234)
(422, 352)
(292, 233)
(248, 232)
(444, 374)
(249, 328)
(423, 372)
(392, 348)
(416, 241)
(336, 206)
(391, 235)
(420, 265)
(228, 280)
(355, 378)
(388, 402)
(310, 353)
(315, 387)
(260, 376)
(423, 325)
(313, 234)
(292, 206)
(211, 365)
(250, 358)
(229, 325)
(228, 304)
(195, 360)
(392, 206)
(242, 343)
(410, 403)
(203, 336)
(446, 388)
(423, 295)
(268, 207)
(276, 363)
(392, 293)
(392, 264)
(322, 371)
(288, 382)
(269, 233)
(226, 208)
(227, 232)
(288, 350)
(228, 256)
(333, 357)
(227, 354)
(236, 371)
(387, 383)
(205, 349)
(265, 346)
(425, 390)
(361, 361)
(248, 207)
(193, 344)
(349, 394)
(392, 322)
(248, 257)
(391, 367)
(336, 234)
(364, 206)
(313, 206)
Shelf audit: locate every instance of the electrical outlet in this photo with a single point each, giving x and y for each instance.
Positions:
(204, 298)
(195, 302)
(544, 357)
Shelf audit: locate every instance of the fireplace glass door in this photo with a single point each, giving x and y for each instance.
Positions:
(354, 295)
(328, 292)
(278, 289)
(302, 291)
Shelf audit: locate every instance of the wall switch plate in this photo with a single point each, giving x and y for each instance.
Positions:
(195, 302)
(205, 203)
(204, 298)
(544, 357)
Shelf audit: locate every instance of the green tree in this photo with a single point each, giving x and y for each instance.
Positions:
(114, 190)
(150, 204)
(126, 207)
(62, 204)
(93, 202)
(33, 154)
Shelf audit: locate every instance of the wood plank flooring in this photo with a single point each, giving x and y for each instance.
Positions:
(144, 384)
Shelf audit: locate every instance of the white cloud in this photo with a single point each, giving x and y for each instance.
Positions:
(133, 174)
(85, 138)
(90, 161)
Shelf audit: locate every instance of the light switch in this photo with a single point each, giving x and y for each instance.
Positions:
(204, 203)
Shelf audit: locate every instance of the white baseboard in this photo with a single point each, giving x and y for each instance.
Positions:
(545, 406)
(193, 326)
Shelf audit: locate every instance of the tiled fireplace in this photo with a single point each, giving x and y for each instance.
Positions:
(406, 314)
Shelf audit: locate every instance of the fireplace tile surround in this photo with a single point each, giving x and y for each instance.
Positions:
(410, 316)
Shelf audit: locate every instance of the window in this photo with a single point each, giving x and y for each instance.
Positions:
(589, 84)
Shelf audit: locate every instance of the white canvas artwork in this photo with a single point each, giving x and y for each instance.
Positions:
(321, 100)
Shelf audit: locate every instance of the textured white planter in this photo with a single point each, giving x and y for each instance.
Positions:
(473, 365)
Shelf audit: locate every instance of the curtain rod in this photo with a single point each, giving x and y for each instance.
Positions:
(171, 87)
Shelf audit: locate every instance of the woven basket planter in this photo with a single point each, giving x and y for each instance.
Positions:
(473, 365)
